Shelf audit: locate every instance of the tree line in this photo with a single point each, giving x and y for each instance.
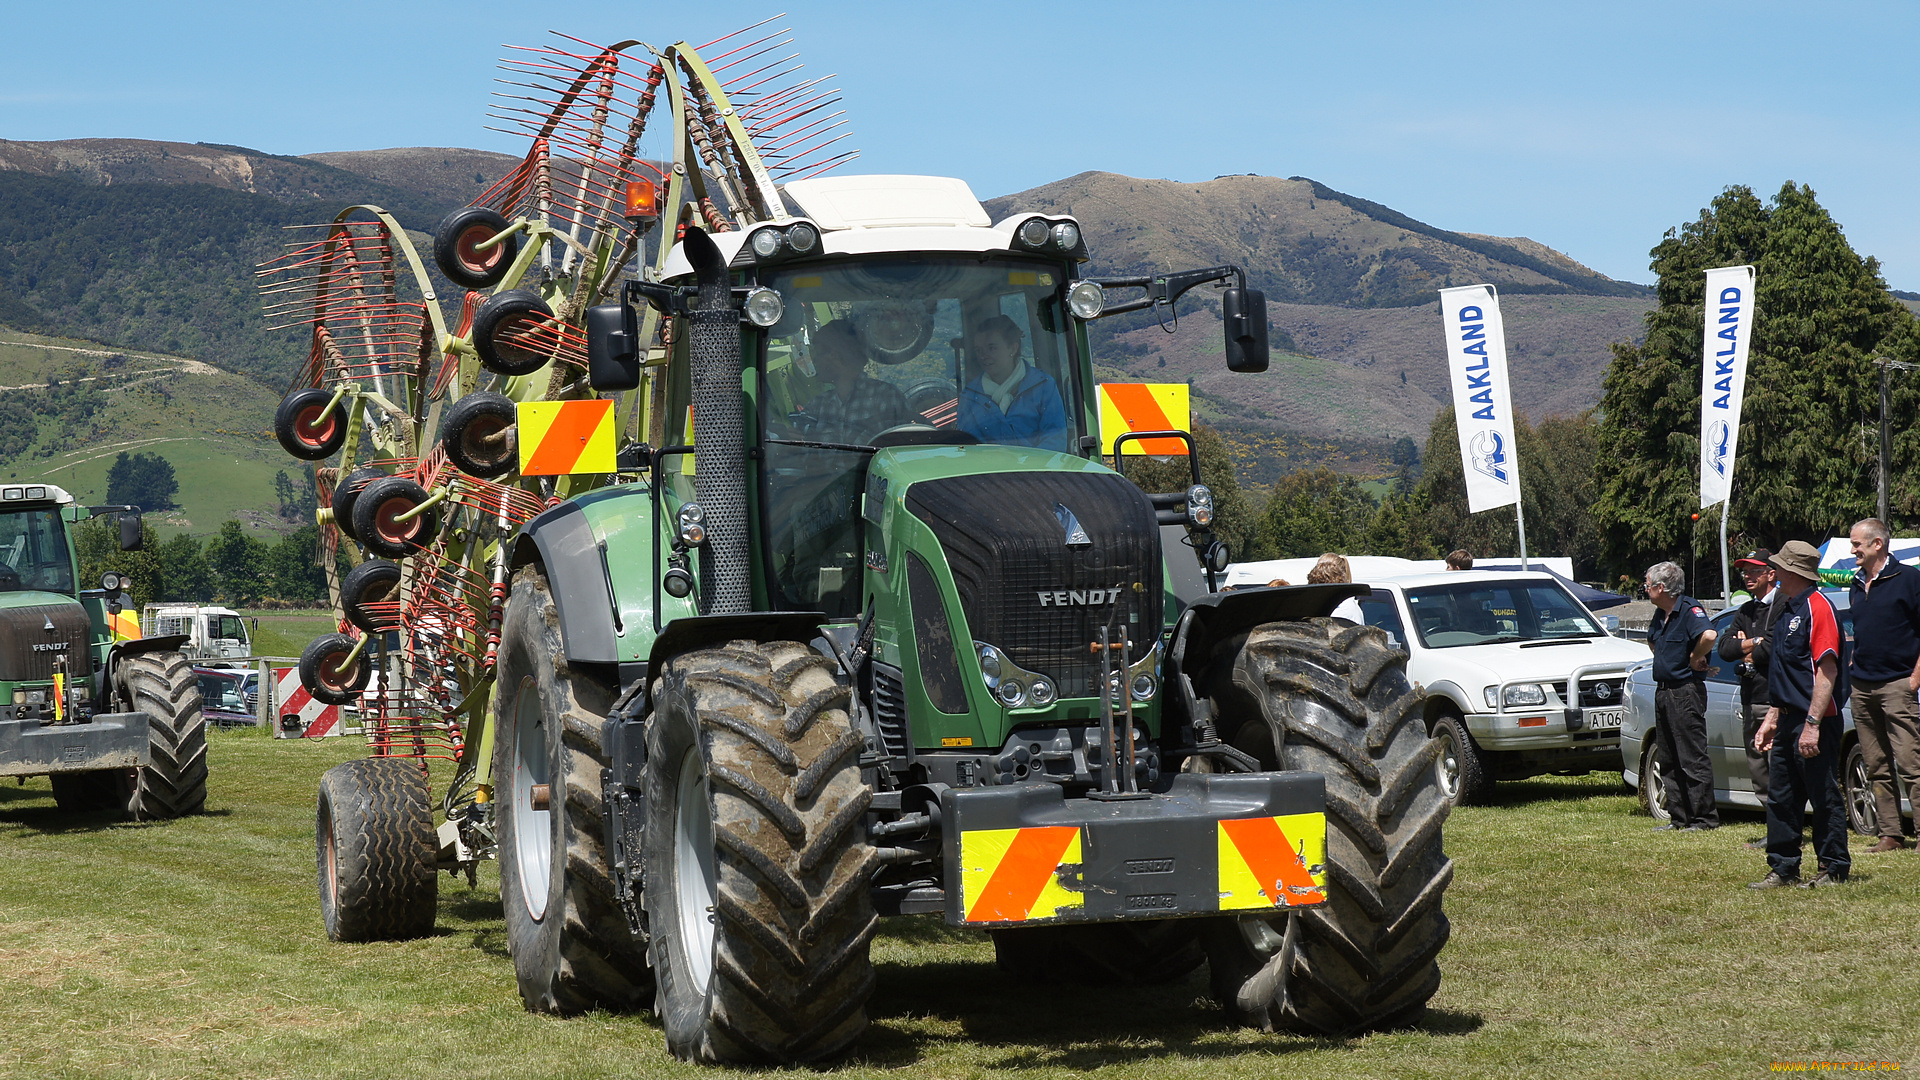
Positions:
(230, 567)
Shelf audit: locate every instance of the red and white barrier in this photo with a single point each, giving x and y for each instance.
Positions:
(297, 713)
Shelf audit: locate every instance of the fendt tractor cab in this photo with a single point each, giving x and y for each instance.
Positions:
(113, 719)
(856, 622)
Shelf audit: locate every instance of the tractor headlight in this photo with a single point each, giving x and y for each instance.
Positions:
(990, 665)
(1066, 235)
(766, 243)
(693, 525)
(764, 307)
(1033, 232)
(1086, 300)
(1199, 506)
(1011, 693)
(678, 583)
(802, 238)
(1143, 687)
(1042, 691)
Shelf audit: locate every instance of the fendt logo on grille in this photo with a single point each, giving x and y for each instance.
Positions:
(50, 646)
(1080, 597)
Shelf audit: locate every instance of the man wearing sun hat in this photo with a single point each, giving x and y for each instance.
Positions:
(1745, 646)
(1801, 732)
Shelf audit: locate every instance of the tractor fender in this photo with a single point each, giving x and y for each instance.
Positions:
(698, 632)
(562, 541)
(1216, 617)
(123, 649)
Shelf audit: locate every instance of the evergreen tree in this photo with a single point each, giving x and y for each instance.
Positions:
(1235, 519)
(188, 577)
(239, 565)
(1808, 441)
(1556, 463)
(142, 480)
(294, 570)
(97, 543)
(1314, 511)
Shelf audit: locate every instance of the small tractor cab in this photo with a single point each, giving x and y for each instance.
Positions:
(855, 622)
(111, 717)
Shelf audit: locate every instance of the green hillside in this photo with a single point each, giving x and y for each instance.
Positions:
(214, 427)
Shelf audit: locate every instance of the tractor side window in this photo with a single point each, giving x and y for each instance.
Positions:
(33, 552)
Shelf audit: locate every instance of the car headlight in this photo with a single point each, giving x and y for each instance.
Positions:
(1520, 696)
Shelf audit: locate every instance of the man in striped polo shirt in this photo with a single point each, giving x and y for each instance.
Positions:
(1801, 733)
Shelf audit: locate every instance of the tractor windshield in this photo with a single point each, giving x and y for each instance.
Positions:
(33, 552)
(981, 346)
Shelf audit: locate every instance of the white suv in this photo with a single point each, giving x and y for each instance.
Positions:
(1496, 652)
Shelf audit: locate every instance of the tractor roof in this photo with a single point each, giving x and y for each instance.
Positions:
(13, 493)
(865, 215)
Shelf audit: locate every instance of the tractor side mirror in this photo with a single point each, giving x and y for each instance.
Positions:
(130, 531)
(613, 347)
(1245, 313)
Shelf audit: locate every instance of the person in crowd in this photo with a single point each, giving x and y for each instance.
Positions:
(1012, 402)
(1681, 635)
(1333, 568)
(1885, 672)
(1459, 559)
(1801, 732)
(853, 407)
(1746, 647)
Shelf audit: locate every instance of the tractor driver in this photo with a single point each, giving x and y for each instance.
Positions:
(853, 407)
(1012, 401)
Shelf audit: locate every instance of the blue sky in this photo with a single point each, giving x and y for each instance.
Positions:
(1592, 128)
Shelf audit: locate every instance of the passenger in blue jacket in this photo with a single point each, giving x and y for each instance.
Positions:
(1012, 401)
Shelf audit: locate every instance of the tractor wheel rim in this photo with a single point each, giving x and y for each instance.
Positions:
(532, 829)
(478, 262)
(694, 872)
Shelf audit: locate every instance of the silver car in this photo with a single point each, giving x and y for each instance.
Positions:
(1646, 770)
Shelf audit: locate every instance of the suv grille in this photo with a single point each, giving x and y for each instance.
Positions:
(1592, 694)
(1006, 546)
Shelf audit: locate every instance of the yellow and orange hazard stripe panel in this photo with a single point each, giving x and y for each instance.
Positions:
(1126, 407)
(1022, 875)
(562, 437)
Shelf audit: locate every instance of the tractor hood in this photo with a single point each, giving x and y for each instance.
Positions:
(36, 629)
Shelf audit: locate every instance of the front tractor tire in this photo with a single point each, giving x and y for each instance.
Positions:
(162, 685)
(755, 857)
(1334, 699)
(572, 948)
(375, 847)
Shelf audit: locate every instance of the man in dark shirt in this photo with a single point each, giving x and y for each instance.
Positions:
(1885, 670)
(853, 407)
(1801, 733)
(1745, 646)
(1681, 635)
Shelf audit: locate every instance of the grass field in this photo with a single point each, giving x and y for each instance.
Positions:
(1583, 945)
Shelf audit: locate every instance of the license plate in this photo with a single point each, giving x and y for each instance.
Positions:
(1604, 719)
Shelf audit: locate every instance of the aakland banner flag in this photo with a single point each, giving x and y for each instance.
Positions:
(1482, 409)
(1723, 376)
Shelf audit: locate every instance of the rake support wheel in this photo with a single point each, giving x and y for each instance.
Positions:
(375, 849)
(325, 674)
(479, 436)
(306, 428)
(455, 241)
(380, 523)
(375, 581)
(497, 327)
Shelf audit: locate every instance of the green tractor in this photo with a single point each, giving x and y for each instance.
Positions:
(856, 622)
(112, 719)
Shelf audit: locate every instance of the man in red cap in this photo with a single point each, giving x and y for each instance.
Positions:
(1745, 646)
(1885, 600)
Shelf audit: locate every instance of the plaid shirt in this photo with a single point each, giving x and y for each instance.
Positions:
(874, 407)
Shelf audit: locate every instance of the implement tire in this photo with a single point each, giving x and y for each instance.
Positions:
(374, 847)
(1335, 699)
(1101, 954)
(162, 685)
(756, 813)
(572, 948)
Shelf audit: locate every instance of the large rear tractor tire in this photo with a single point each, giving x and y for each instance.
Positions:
(572, 948)
(375, 848)
(162, 685)
(1101, 954)
(755, 857)
(1335, 700)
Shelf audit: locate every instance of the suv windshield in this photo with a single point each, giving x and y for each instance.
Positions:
(982, 346)
(33, 552)
(1446, 616)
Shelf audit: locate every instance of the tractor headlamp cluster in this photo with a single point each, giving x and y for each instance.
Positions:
(1200, 506)
(692, 522)
(764, 307)
(113, 582)
(784, 241)
(1011, 685)
(12, 493)
(1086, 300)
(1049, 236)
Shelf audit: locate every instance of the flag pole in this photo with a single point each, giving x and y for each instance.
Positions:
(1519, 515)
(1726, 565)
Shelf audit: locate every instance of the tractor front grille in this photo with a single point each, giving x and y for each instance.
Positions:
(32, 638)
(1024, 590)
